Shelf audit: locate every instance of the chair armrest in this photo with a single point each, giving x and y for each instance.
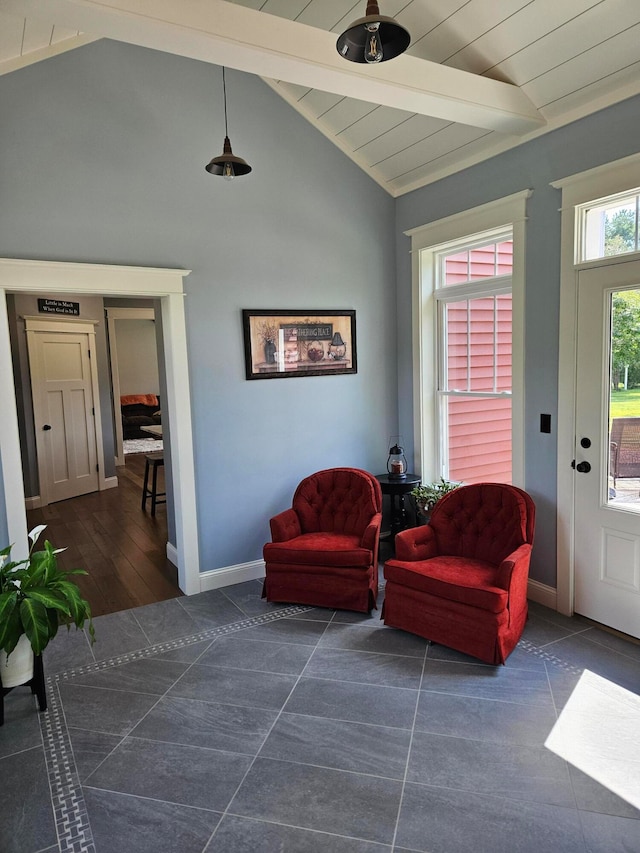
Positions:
(371, 535)
(284, 526)
(416, 543)
(513, 572)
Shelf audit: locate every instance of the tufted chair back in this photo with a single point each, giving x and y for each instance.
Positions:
(337, 500)
(484, 521)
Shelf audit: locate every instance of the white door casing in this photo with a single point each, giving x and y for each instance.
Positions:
(607, 536)
(602, 181)
(64, 386)
(18, 275)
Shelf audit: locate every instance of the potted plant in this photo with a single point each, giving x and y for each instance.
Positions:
(427, 495)
(36, 597)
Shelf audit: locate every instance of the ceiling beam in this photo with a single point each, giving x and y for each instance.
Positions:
(227, 34)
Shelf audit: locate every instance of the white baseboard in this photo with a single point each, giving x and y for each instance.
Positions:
(218, 578)
(542, 594)
(172, 554)
(110, 483)
(33, 503)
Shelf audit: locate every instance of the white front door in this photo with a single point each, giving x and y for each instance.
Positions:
(606, 531)
(64, 416)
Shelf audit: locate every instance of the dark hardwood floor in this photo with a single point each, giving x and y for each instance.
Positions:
(120, 546)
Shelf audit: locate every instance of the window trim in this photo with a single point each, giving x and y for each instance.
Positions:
(502, 213)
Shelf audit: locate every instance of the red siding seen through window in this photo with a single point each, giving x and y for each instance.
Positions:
(479, 360)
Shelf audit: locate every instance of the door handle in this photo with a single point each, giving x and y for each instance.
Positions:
(46, 427)
(583, 467)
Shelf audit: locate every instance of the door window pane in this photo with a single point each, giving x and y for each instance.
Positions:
(624, 401)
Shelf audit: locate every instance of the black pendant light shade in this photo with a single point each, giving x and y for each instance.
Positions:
(227, 164)
(374, 38)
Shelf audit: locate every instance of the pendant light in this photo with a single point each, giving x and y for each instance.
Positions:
(227, 164)
(374, 38)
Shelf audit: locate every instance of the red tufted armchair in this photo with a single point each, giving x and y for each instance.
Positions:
(324, 550)
(461, 580)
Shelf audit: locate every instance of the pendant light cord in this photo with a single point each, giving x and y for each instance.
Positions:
(224, 90)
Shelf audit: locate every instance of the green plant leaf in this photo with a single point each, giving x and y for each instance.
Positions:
(78, 608)
(54, 623)
(51, 598)
(35, 621)
(10, 626)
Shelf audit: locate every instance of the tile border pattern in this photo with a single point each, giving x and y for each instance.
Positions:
(67, 799)
(70, 811)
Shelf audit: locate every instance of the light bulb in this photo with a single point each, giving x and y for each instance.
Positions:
(228, 172)
(373, 44)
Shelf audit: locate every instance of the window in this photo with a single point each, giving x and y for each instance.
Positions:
(468, 342)
(608, 226)
(473, 333)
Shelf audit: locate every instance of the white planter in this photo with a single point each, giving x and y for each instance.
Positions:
(18, 667)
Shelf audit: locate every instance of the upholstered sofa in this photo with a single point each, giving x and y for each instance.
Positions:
(139, 410)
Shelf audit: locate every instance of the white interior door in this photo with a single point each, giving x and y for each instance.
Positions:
(63, 408)
(606, 530)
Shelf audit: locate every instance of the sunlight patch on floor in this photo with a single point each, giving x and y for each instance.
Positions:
(597, 732)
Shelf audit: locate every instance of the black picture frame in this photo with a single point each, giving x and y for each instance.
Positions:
(282, 343)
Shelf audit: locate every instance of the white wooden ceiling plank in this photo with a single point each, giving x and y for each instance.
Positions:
(531, 23)
(372, 126)
(62, 34)
(326, 14)
(37, 34)
(249, 4)
(289, 9)
(224, 33)
(576, 36)
(317, 102)
(589, 67)
(293, 92)
(11, 30)
(423, 16)
(450, 161)
(625, 83)
(467, 24)
(428, 150)
(400, 137)
(345, 113)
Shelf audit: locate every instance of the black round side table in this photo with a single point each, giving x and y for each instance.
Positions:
(397, 488)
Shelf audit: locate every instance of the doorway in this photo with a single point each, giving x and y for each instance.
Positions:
(606, 527)
(64, 388)
(167, 286)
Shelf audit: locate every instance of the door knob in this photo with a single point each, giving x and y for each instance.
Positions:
(583, 467)
(46, 427)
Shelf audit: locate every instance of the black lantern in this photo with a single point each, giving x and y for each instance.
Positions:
(397, 463)
(337, 347)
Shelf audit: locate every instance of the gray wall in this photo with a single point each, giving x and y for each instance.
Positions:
(102, 155)
(598, 139)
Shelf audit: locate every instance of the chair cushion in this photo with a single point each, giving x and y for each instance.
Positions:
(460, 579)
(341, 500)
(320, 549)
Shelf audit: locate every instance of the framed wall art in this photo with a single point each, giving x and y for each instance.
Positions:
(279, 344)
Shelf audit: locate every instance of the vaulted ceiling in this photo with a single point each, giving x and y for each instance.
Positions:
(480, 76)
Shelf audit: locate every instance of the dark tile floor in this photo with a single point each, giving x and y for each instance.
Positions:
(221, 724)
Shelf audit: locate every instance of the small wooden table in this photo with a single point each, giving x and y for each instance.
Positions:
(397, 488)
